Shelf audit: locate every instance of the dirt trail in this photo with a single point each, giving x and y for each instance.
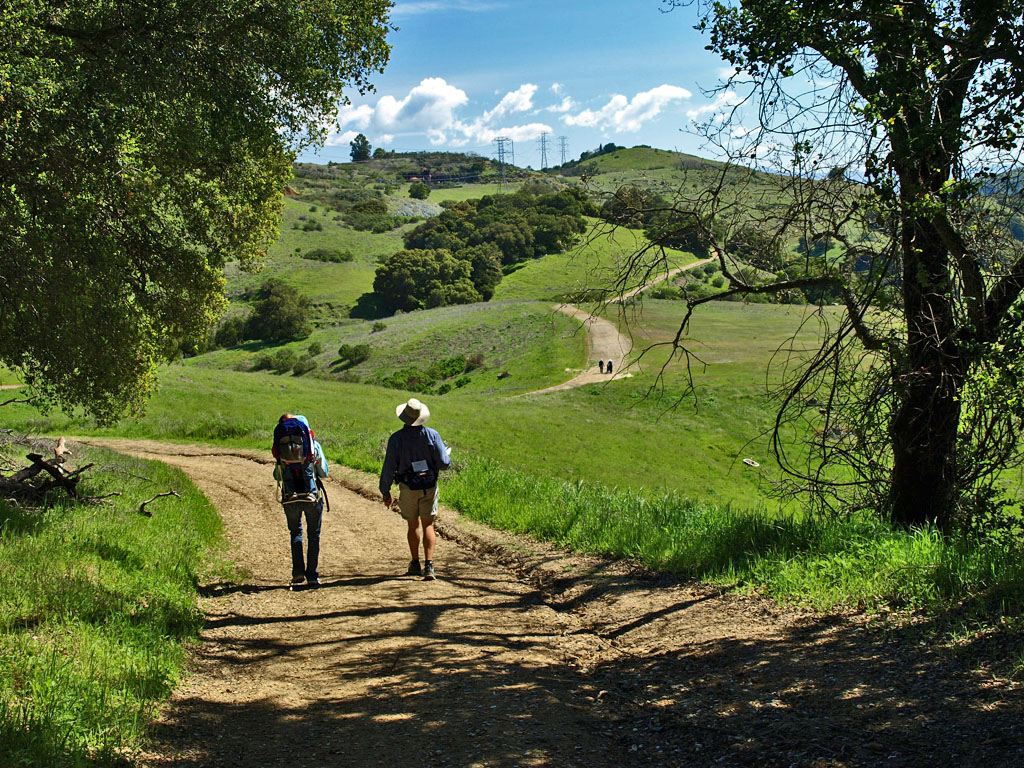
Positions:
(521, 655)
(605, 341)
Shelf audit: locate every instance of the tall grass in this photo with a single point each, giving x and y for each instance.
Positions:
(96, 603)
(824, 563)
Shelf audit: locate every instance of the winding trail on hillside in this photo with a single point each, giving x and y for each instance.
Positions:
(604, 341)
(523, 655)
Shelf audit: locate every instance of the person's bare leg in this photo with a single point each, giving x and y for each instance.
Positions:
(428, 538)
(414, 538)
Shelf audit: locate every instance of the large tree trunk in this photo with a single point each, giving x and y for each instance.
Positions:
(924, 426)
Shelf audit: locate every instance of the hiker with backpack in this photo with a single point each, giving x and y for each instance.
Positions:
(299, 468)
(414, 457)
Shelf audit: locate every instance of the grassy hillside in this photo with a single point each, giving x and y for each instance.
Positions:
(619, 433)
(527, 343)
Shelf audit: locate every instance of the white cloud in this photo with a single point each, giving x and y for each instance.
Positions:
(428, 108)
(722, 104)
(340, 139)
(624, 115)
(566, 105)
(431, 109)
(519, 100)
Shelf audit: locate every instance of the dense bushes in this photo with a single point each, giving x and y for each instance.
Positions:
(421, 279)
(353, 354)
(415, 379)
(371, 215)
(279, 314)
(333, 255)
(523, 225)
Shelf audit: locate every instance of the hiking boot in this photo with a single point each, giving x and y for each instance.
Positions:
(414, 569)
(428, 572)
(313, 583)
(298, 579)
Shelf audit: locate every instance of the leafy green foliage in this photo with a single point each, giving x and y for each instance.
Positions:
(279, 314)
(332, 255)
(230, 332)
(418, 190)
(522, 225)
(360, 147)
(415, 379)
(128, 187)
(353, 354)
(418, 279)
(304, 365)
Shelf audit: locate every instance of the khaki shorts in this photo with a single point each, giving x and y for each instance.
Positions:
(413, 504)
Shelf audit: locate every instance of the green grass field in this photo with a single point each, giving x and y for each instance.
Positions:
(96, 606)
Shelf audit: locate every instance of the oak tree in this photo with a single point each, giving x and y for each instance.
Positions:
(892, 134)
(144, 143)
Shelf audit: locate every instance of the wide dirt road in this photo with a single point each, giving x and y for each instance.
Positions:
(520, 655)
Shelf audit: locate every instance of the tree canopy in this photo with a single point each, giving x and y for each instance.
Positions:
(142, 145)
(360, 148)
(919, 106)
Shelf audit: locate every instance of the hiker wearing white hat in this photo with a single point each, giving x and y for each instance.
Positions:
(414, 457)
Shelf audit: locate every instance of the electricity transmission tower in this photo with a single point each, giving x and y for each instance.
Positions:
(543, 151)
(563, 144)
(501, 141)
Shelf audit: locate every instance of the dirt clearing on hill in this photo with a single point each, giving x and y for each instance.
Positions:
(521, 655)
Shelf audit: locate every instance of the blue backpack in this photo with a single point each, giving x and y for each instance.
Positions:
(293, 449)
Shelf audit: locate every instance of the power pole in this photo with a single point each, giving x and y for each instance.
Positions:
(543, 151)
(563, 144)
(500, 141)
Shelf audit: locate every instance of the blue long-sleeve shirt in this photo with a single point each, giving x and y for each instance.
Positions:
(410, 444)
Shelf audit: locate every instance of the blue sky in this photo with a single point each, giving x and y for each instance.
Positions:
(465, 71)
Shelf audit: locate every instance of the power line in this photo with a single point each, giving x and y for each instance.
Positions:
(563, 144)
(543, 151)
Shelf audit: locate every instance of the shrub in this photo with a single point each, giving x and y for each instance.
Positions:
(283, 360)
(445, 369)
(278, 315)
(419, 191)
(304, 365)
(335, 255)
(474, 361)
(378, 326)
(230, 332)
(315, 349)
(718, 282)
(353, 354)
(462, 381)
(264, 362)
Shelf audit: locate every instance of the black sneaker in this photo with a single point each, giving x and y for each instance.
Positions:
(428, 572)
(313, 583)
(414, 569)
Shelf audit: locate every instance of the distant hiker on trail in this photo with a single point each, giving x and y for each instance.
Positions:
(299, 467)
(414, 457)
(600, 365)
(608, 368)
